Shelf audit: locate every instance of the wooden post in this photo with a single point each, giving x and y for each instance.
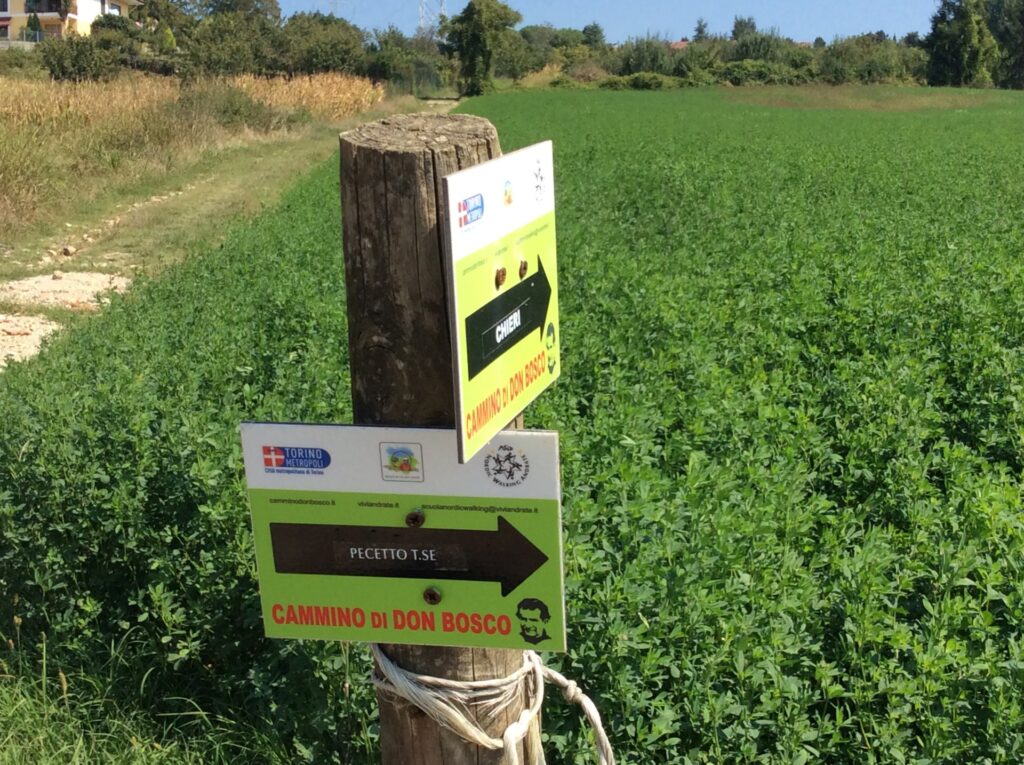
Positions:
(400, 353)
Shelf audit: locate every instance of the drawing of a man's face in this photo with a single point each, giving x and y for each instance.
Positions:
(533, 616)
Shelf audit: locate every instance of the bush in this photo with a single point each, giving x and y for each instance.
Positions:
(650, 81)
(760, 46)
(759, 73)
(21, 63)
(78, 59)
(698, 57)
(316, 43)
(234, 43)
(229, 106)
(563, 81)
(698, 78)
(614, 83)
(645, 54)
(587, 70)
(869, 59)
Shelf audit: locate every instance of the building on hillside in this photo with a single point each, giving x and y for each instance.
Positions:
(14, 16)
(682, 44)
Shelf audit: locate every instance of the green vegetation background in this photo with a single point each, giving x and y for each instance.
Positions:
(791, 441)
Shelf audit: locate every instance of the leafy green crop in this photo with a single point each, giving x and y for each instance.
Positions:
(791, 417)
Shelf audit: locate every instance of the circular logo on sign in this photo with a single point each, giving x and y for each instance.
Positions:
(507, 466)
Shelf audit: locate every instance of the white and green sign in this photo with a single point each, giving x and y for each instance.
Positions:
(503, 289)
(381, 535)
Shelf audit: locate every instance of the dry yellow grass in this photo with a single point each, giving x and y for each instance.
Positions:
(29, 103)
(329, 96)
(62, 142)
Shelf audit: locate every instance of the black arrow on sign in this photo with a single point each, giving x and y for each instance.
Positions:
(504, 556)
(503, 322)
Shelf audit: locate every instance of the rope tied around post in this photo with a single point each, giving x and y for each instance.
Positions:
(450, 702)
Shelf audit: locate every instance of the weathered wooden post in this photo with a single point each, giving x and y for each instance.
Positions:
(401, 357)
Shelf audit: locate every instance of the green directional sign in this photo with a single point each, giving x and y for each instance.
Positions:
(381, 535)
(503, 289)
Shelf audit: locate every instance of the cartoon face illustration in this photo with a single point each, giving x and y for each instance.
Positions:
(401, 460)
(533, 616)
(549, 343)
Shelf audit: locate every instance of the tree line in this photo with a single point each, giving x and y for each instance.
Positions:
(977, 43)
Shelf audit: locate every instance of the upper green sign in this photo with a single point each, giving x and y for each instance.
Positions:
(503, 289)
(380, 535)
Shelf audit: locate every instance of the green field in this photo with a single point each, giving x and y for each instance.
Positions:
(792, 422)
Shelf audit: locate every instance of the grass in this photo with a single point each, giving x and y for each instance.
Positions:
(790, 416)
(49, 718)
(878, 98)
(69, 141)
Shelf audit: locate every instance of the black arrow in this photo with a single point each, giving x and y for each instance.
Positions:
(511, 316)
(504, 555)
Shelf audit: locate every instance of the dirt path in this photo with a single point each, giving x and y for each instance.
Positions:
(45, 278)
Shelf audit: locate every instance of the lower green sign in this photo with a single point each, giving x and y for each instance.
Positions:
(380, 535)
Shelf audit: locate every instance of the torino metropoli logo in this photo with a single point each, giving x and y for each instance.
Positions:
(297, 460)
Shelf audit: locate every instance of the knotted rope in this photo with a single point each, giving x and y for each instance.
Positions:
(451, 703)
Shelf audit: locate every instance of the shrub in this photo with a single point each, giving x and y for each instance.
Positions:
(564, 81)
(614, 83)
(78, 59)
(316, 43)
(698, 57)
(650, 81)
(21, 63)
(870, 59)
(229, 106)
(645, 54)
(586, 70)
(759, 73)
(760, 46)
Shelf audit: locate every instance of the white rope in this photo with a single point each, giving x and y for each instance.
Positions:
(451, 703)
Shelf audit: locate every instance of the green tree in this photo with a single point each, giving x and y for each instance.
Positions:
(314, 42)
(912, 40)
(1006, 20)
(171, 13)
(743, 26)
(760, 46)
(700, 32)
(961, 49)
(539, 37)
(166, 44)
(473, 36)
(234, 43)
(77, 59)
(567, 37)
(593, 35)
(34, 27)
(265, 9)
(117, 35)
(645, 54)
(511, 55)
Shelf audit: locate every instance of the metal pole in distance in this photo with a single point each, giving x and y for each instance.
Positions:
(401, 358)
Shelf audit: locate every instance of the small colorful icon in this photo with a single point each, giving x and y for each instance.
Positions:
(508, 193)
(471, 209)
(401, 462)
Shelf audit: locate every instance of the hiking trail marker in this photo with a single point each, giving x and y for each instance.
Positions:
(381, 535)
(502, 288)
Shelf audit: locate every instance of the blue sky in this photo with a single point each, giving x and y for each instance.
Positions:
(622, 19)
